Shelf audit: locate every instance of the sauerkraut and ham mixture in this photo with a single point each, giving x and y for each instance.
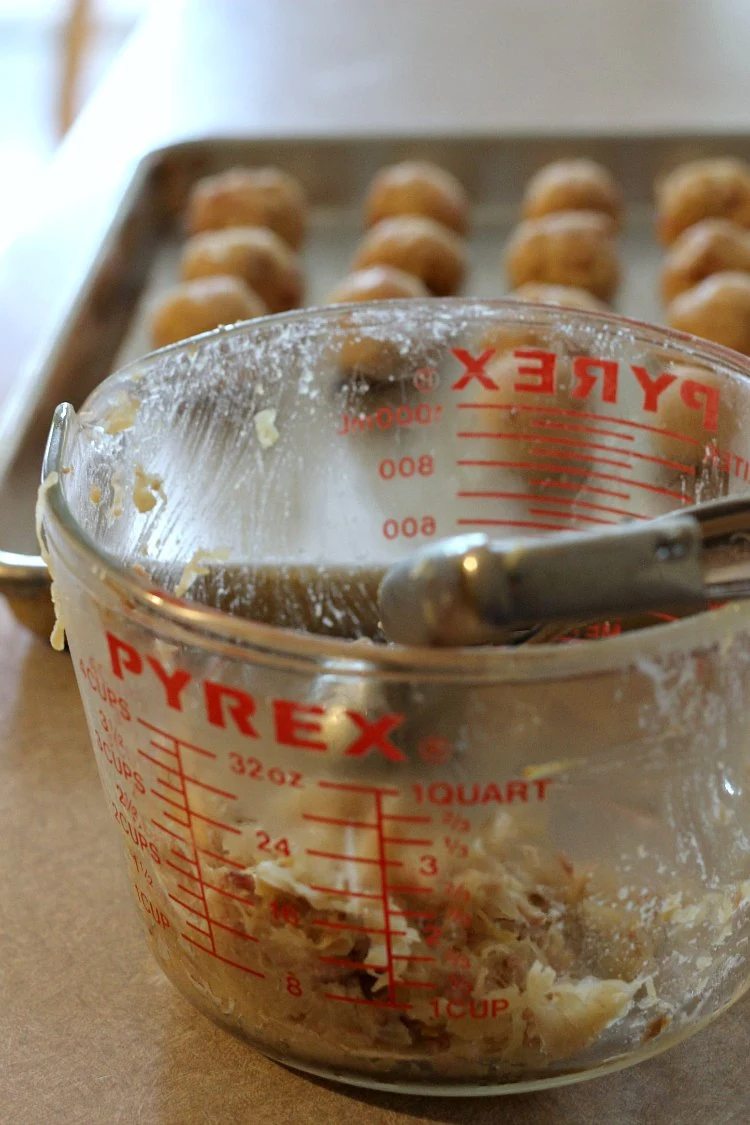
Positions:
(517, 959)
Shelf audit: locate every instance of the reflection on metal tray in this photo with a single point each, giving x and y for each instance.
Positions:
(108, 325)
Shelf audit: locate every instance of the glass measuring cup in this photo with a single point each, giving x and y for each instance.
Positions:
(455, 871)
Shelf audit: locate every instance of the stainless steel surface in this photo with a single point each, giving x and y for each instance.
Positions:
(469, 590)
(107, 323)
(483, 593)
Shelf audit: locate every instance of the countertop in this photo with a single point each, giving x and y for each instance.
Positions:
(89, 1029)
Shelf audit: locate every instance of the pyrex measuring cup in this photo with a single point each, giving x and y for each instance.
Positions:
(457, 870)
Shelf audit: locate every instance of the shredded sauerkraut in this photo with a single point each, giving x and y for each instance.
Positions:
(196, 567)
(512, 961)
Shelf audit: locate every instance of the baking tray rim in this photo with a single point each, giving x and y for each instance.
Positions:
(23, 572)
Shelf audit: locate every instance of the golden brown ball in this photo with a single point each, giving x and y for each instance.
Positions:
(709, 247)
(568, 248)
(702, 189)
(572, 185)
(200, 306)
(419, 246)
(250, 197)
(355, 353)
(378, 283)
(685, 438)
(717, 309)
(506, 336)
(417, 187)
(566, 296)
(256, 255)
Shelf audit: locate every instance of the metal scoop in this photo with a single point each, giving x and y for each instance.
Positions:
(470, 590)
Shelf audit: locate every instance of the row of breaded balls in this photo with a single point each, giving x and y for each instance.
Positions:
(703, 210)
(246, 226)
(572, 211)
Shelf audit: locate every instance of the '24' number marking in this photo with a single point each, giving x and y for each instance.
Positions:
(273, 847)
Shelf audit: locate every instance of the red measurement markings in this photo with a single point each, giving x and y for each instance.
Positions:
(167, 800)
(572, 516)
(185, 777)
(180, 783)
(407, 840)
(353, 858)
(369, 1003)
(337, 821)
(193, 926)
(546, 453)
(384, 864)
(191, 909)
(167, 784)
(181, 870)
(222, 859)
(384, 892)
(541, 443)
(344, 894)
(184, 858)
(558, 412)
(402, 819)
(559, 456)
(199, 873)
(568, 428)
(187, 891)
(678, 466)
(533, 525)
(217, 823)
(358, 929)
(225, 960)
(576, 486)
(343, 963)
(345, 788)
(414, 958)
(227, 894)
(573, 470)
(169, 832)
(170, 738)
(176, 820)
(237, 933)
(542, 497)
(411, 890)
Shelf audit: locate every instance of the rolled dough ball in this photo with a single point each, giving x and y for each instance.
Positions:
(572, 185)
(709, 247)
(417, 187)
(567, 296)
(419, 246)
(506, 337)
(200, 306)
(685, 439)
(702, 189)
(250, 197)
(378, 283)
(258, 256)
(717, 309)
(568, 248)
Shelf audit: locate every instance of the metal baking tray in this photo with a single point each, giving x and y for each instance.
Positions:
(107, 324)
